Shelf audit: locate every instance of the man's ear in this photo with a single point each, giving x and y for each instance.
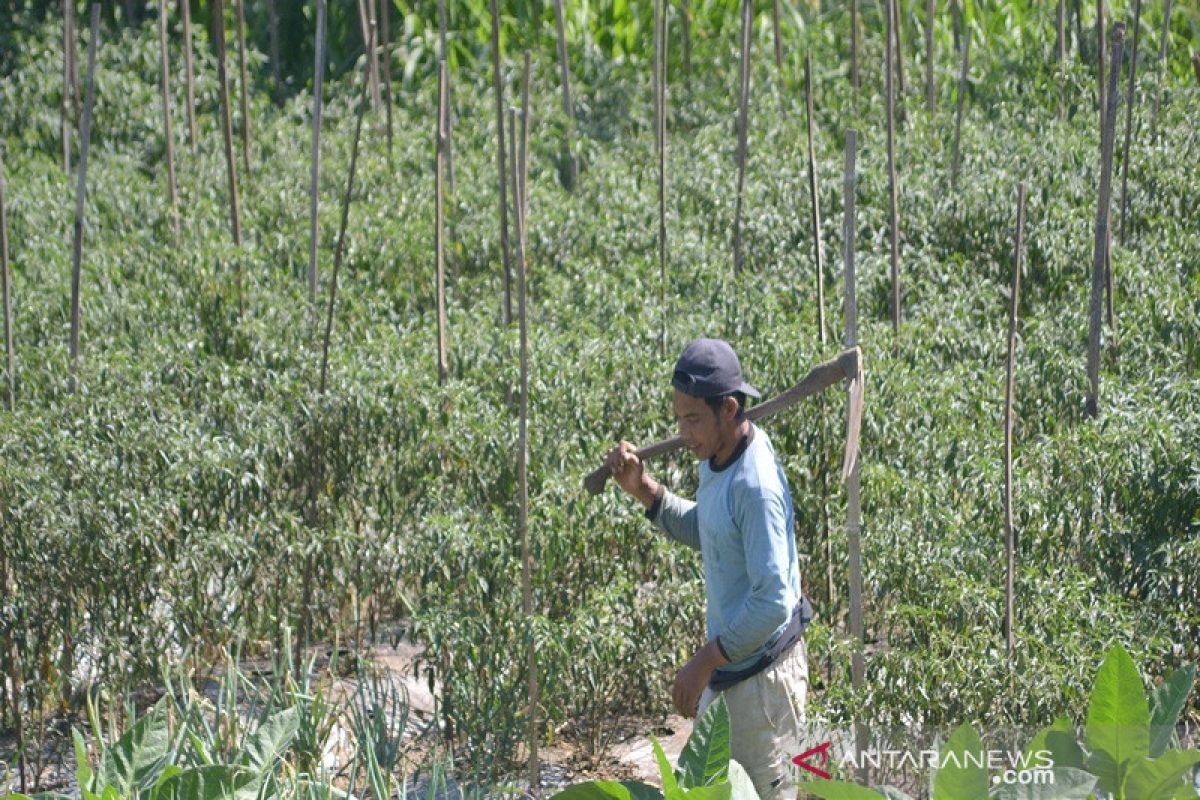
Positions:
(729, 407)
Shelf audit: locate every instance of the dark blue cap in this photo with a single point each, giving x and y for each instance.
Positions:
(710, 368)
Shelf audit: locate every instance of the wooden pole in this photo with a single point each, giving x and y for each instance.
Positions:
(186, 7)
(1101, 246)
(1077, 5)
(1010, 541)
(1100, 76)
(235, 221)
(818, 245)
(1062, 58)
(72, 48)
(778, 35)
(893, 214)
(930, 97)
(898, 36)
(80, 192)
(245, 94)
(743, 124)
(498, 88)
(1131, 97)
(854, 46)
(339, 248)
(654, 67)
(439, 227)
(273, 32)
(854, 484)
(168, 133)
(1162, 68)
(523, 148)
(366, 17)
(445, 55)
(660, 106)
(14, 670)
(10, 383)
(385, 13)
(962, 95)
(68, 119)
(686, 17)
(315, 162)
(568, 103)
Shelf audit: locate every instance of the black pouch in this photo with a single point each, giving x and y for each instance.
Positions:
(802, 614)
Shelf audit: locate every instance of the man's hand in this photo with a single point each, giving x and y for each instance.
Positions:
(630, 473)
(691, 680)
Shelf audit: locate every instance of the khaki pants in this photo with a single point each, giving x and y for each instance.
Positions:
(765, 715)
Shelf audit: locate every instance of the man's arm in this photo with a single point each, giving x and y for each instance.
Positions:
(761, 517)
(674, 515)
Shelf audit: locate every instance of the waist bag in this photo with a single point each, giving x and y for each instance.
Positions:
(802, 614)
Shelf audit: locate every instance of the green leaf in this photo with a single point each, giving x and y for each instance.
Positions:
(134, 761)
(705, 757)
(1186, 793)
(223, 782)
(1118, 721)
(609, 790)
(83, 770)
(840, 790)
(1166, 704)
(1066, 783)
(717, 791)
(1160, 778)
(270, 741)
(170, 772)
(664, 769)
(892, 793)
(742, 788)
(961, 770)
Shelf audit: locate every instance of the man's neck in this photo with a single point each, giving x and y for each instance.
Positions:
(730, 445)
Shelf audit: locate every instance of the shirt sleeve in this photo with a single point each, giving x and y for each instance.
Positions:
(677, 517)
(760, 515)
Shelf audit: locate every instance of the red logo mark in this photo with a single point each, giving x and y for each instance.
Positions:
(801, 760)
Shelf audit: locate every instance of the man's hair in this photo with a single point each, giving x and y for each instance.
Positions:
(715, 404)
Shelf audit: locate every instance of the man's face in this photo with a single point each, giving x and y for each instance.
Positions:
(701, 429)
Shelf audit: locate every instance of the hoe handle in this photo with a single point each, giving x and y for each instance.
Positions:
(821, 377)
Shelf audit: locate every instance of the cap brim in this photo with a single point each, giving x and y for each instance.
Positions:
(749, 390)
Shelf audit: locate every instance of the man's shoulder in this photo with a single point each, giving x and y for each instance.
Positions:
(759, 469)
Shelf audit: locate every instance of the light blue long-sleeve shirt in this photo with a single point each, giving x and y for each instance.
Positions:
(743, 524)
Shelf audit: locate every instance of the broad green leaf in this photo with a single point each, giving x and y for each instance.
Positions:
(961, 769)
(1160, 778)
(1064, 783)
(705, 757)
(665, 771)
(717, 791)
(609, 790)
(83, 770)
(223, 782)
(270, 740)
(742, 788)
(840, 790)
(1166, 704)
(1186, 793)
(1118, 721)
(892, 793)
(134, 761)
(170, 772)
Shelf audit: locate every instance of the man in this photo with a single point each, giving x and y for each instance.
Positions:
(743, 525)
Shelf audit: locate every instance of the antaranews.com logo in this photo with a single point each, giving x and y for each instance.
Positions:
(1004, 766)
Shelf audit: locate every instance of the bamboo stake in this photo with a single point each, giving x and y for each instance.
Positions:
(68, 120)
(364, 23)
(743, 123)
(898, 36)
(1098, 260)
(818, 245)
(168, 133)
(340, 247)
(245, 94)
(186, 6)
(14, 670)
(1010, 541)
(654, 76)
(520, 210)
(445, 55)
(1100, 49)
(854, 46)
(1162, 68)
(1078, 7)
(1061, 46)
(854, 484)
(568, 103)
(1131, 98)
(439, 227)
(660, 106)
(72, 55)
(523, 150)
(6, 281)
(962, 93)
(778, 35)
(273, 32)
(313, 194)
(930, 97)
(226, 124)
(498, 88)
(385, 9)
(686, 16)
(893, 223)
(80, 192)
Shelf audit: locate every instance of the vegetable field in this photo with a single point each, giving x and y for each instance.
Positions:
(246, 467)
